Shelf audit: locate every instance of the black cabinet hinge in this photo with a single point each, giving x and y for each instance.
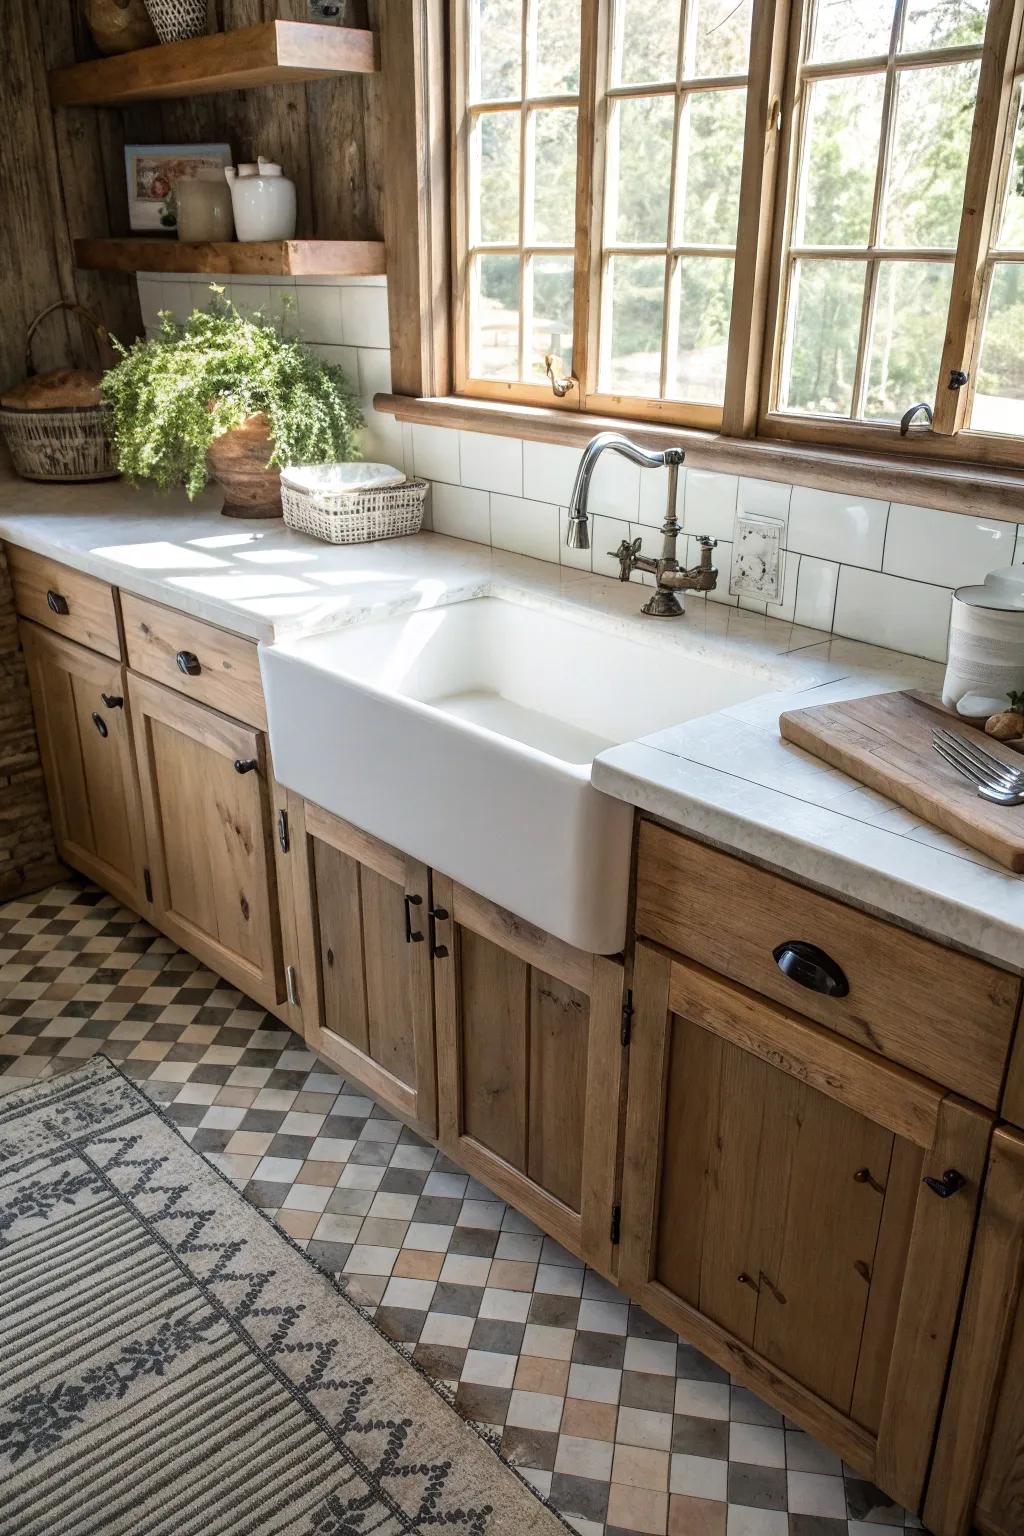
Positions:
(282, 830)
(147, 884)
(616, 1226)
(627, 1018)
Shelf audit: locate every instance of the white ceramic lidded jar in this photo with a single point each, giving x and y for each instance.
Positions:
(264, 204)
(204, 207)
(986, 644)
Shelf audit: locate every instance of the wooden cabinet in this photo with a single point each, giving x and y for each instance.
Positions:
(207, 801)
(81, 713)
(74, 605)
(775, 1212)
(530, 1062)
(361, 915)
(977, 1477)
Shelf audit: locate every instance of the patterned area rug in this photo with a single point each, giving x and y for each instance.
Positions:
(170, 1364)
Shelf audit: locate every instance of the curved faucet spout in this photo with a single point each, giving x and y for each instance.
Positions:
(578, 533)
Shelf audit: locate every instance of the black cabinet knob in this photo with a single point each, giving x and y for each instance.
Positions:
(99, 722)
(810, 967)
(56, 603)
(188, 662)
(112, 700)
(951, 1181)
(246, 764)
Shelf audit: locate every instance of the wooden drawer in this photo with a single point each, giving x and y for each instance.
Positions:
(943, 1014)
(76, 606)
(228, 675)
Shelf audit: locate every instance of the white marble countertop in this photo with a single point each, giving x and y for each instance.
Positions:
(727, 777)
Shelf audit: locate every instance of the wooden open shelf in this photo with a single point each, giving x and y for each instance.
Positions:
(281, 52)
(235, 258)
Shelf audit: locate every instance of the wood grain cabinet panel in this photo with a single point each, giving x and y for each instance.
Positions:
(71, 604)
(530, 1066)
(199, 660)
(81, 711)
(207, 801)
(775, 1214)
(365, 980)
(977, 1477)
(943, 1014)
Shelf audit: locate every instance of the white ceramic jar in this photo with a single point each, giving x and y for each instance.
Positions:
(986, 643)
(204, 207)
(264, 204)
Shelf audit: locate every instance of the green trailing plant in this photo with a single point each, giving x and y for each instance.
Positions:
(171, 395)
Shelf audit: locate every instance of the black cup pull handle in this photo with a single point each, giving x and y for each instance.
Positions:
(188, 662)
(246, 765)
(437, 915)
(112, 700)
(412, 936)
(810, 967)
(56, 603)
(99, 722)
(951, 1181)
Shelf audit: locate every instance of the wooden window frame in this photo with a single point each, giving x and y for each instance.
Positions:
(755, 330)
(947, 436)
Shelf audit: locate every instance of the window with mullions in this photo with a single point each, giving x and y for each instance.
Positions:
(886, 98)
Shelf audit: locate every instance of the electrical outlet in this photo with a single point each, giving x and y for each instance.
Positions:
(757, 557)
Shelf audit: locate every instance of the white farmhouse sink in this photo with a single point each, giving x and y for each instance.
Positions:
(464, 735)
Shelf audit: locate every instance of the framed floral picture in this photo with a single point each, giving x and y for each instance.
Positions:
(153, 170)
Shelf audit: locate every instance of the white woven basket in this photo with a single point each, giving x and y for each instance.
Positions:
(355, 517)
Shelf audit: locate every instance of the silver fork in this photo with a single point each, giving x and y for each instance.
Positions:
(993, 779)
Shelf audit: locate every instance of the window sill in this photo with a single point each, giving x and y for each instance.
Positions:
(951, 487)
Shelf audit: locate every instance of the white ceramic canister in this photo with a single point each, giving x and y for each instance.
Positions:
(204, 207)
(986, 643)
(264, 204)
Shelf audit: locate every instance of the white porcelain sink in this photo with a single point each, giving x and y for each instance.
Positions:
(464, 735)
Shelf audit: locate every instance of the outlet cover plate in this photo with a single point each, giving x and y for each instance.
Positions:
(757, 557)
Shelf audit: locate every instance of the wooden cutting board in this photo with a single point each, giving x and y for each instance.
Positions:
(885, 741)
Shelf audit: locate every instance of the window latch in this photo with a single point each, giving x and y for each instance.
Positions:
(561, 384)
(957, 378)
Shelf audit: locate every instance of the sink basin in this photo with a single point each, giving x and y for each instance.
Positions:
(464, 735)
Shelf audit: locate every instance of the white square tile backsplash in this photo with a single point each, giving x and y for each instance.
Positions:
(853, 564)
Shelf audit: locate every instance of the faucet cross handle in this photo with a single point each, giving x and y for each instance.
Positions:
(626, 555)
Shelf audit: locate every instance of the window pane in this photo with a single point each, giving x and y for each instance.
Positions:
(710, 155)
(718, 41)
(642, 132)
(645, 41)
(637, 285)
(555, 63)
(494, 317)
(837, 181)
(1011, 234)
(943, 24)
(550, 328)
(822, 332)
(554, 176)
(496, 49)
(851, 29)
(907, 330)
(497, 159)
(705, 303)
(925, 185)
(999, 399)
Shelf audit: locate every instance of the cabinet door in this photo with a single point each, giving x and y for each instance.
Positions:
(207, 803)
(775, 1212)
(85, 741)
(364, 985)
(977, 1476)
(529, 1057)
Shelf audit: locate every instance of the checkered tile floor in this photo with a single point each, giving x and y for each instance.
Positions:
(624, 1427)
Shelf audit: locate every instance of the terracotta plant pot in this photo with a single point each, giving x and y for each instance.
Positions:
(237, 460)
